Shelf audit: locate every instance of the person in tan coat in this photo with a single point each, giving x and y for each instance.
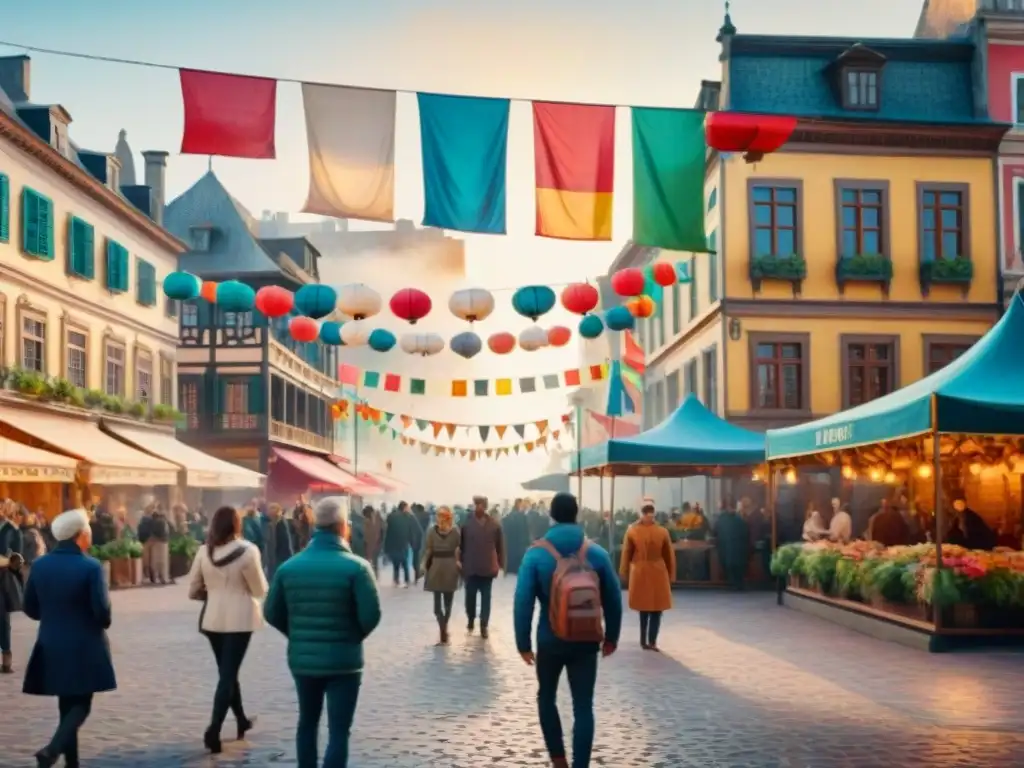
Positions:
(649, 566)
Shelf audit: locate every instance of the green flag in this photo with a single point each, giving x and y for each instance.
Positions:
(668, 179)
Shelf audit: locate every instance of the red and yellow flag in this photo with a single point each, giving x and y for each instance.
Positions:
(574, 155)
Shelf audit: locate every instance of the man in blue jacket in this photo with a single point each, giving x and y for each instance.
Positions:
(579, 660)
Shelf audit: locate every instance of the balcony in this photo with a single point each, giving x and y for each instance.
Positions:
(1001, 6)
(285, 433)
(297, 370)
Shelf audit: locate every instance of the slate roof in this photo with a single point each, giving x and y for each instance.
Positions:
(923, 81)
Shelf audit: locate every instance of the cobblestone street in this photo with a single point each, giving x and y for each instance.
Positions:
(740, 683)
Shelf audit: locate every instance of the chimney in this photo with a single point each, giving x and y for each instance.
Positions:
(156, 180)
(15, 77)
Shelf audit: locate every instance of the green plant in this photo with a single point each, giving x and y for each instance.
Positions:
(138, 410)
(183, 544)
(849, 578)
(133, 548)
(820, 569)
(77, 398)
(100, 553)
(117, 549)
(890, 581)
(958, 270)
(94, 398)
(164, 412)
(782, 559)
(62, 389)
(790, 267)
(865, 266)
(113, 404)
(28, 382)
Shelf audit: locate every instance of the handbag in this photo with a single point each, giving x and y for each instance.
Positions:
(201, 595)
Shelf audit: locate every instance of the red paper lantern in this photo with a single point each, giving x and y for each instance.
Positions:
(410, 304)
(209, 291)
(274, 301)
(629, 282)
(559, 335)
(580, 298)
(304, 329)
(501, 343)
(641, 306)
(754, 135)
(664, 273)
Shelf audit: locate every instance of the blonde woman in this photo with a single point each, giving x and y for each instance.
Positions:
(442, 564)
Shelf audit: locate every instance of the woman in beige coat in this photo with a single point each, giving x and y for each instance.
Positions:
(649, 563)
(227, 576)
(442, 564)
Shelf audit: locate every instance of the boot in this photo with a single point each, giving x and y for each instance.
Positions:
(7, 664)
(559, 762)
(442, 625)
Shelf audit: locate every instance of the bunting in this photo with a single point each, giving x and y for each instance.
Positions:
(367, 380)
(228, 115)
(472, 454)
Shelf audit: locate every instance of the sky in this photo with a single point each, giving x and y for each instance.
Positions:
(643, 52)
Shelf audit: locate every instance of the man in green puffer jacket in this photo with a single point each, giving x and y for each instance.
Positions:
(325, 601)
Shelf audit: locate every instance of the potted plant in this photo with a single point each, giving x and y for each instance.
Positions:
(100, 554)
(957, 271)
(864, 268)
(62, 390)
(113, 404)
(28, 383)
(136, 410)
(119, 555)
(791, 268)
(166, 413)
(135, 553)
(94, 398)
(182, 548)
(77, 398)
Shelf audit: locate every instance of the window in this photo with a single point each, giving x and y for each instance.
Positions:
(780, 372)
(869, 368)
(81, 249)
(236, 321)
(1017, 97)
(189, 315)
(37, 224)
(940, 351)
(143, 377)
(117, 267)
(113, 374)
(710, 367)
(188, 400)
(694, 301)
(166, 380)
(713, 267)
(944, 217)
(862, 218)
(659, 402)
(775, 219)
(77, 358)
(33, 343)
(712, 200)
(672, 390)
(677, 309)
(170, 306)
(5, 209)
(145, 283)
(690, 377)
(239, 405)
(199, 239)
(860, 89)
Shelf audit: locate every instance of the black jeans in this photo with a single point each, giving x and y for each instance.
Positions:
(443, 605)
(342, 694)
(650, 625)
(73, 712)
(229, 650)
(416, 564)
(478, 585)
(581, 669)
(403, 565)
(5, 631)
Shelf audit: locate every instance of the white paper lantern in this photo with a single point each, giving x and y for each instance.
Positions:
(471, 304)
(533, 338)
(421, 343)
(358, 300)
(355, 333)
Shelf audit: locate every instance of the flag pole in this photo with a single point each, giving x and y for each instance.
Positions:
(355, 441)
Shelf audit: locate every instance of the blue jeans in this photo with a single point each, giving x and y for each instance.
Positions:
(401, 565)
(481, 585)
(650, 625)
(342, 694)
(581, 669)
(5, 631)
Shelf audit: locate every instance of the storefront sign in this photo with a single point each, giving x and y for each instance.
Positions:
(823, 438)
(124, 476)
(14, 473)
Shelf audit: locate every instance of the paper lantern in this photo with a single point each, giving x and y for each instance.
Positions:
(358, 301)
(501, 343)
(274, 301)
(663, 273)
(533, 301)
(466, 344)
(182, 286)
(591, 327)
(355, 333)
(628, 282)
(410, 304)
(330, 333)
(209, 291)
(316, 301)
(533, 338)
(422, 343)
(641, 306)
(619, 319)
(559, 335)
(233, 296)
(381, 340)
(303, 328)
(580, 298)
(471, 304)
(754, 135)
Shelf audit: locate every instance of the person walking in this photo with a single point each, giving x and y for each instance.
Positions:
(325, 601)
(400, 537)
(422, 518)
(144, 533)
(441, 567)
(67, 594)
(160, 555)
(575, 583)
(373, 535)
(648, 564)
(252, 529)
(227, 576)
(483, 556)
(278, 538)
(12, 544)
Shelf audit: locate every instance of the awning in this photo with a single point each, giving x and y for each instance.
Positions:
(201, 469)
(20, 463)
(110, 461)
(322, 472)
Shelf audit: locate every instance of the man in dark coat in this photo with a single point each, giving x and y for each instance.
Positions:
(402, 534)
(278, 539)
(517, 535)
(104, 527)
(422, 517)
(483, 556)
(67, 595)
(732, 538)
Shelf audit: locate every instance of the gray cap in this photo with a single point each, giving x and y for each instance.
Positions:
(329, 513)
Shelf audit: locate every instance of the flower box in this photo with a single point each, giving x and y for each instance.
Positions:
(864, 268)
(961, 616)
(136, 571)
(121, 572)
(914, 611)
(792, 269)
(959, 271)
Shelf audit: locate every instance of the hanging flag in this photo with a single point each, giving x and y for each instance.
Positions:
(350, 133)
(669, 153)
(632, 353)
(228, 115)
(484, 432)
(500, 429)
(465, 147)
(616, 394)
(348, 374)
(574, 158)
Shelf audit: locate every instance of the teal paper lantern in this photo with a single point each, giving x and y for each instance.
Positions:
(533, 301)
(182, 286)
(381, 340)
(233, 296)
(591, 327)
(619, 319)
(330, 333)
(315, 301)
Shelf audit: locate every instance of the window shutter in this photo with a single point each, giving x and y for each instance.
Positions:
(117, 266)
(45, 224)
(202, 313)
(81, 250)
(29, 222)
(5, 209)
(693, 288)
(145, 283)
(257, 401)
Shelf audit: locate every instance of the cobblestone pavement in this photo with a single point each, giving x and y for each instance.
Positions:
(741, 683)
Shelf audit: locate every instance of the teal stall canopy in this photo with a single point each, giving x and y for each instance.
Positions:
(692, 441)
(980, 393)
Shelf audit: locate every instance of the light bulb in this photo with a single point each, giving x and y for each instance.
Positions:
(849, 472)
(924, 470)
(890, 477)
(975, 469)
(875, 475)
(791, 476)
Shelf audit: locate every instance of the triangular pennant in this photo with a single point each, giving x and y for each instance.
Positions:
(451, 451)
(488, 452)
(437, 427)
(566, 418)
(484, 432)
(406, 421)
(439, 450)
(520, 430)
(462, 452)
(542, 440)
(424, 448)
(405, 440)
(421, 424)
(556, 433)
(472, 455)
(504, 451)
(394, 433)
(383, 428)
(542, 426)
(501, 431)
(517, 450)
(411, 441)
(388, 416)
(529, 447)
(450, 429)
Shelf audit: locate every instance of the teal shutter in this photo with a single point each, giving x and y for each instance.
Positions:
(694, 304)
(257, 401)
(5, 209)
(117, 267)
(37, 220)
(145, 283)
(81, 249)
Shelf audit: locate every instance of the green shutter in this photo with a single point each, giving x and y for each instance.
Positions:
(694, 304)
(145, 283)
(81, 249)
(37, 224)
(257, 401)
(5, 209)
(117, 267)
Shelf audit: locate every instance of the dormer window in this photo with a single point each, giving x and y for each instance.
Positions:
(860, 89)
(113, 175)
(857, 76)
(59, 137)
(199, 238)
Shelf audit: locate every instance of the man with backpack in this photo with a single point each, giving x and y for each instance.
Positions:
(578, 589)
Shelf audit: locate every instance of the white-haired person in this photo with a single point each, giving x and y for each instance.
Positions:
(67, 594)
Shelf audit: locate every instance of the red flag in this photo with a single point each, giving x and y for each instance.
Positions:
(228, 115)
(633, 353)
(348, 374)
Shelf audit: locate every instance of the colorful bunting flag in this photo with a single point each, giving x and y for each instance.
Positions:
(574, 158)
(392, 382)
(228, 115)
(348, 374)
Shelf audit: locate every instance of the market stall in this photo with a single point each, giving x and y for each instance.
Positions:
(691, 442)
(951, 448)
